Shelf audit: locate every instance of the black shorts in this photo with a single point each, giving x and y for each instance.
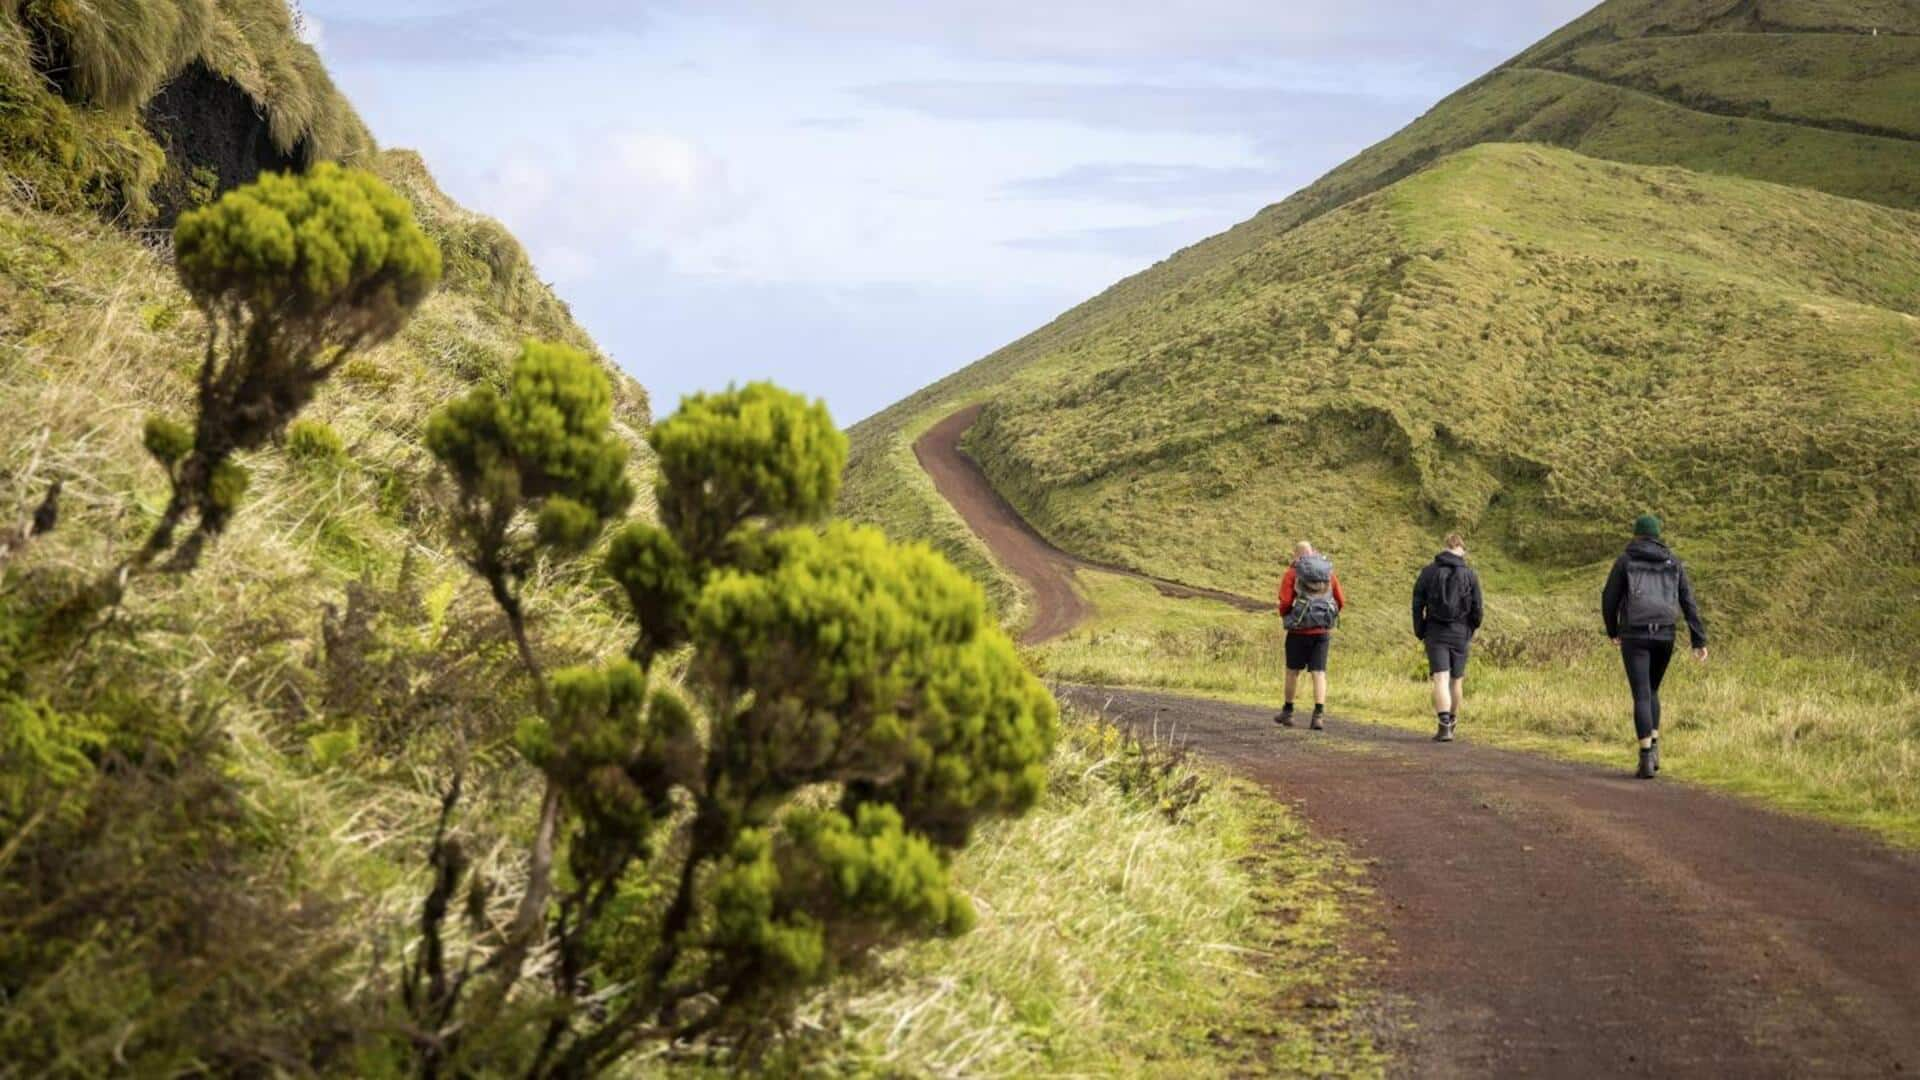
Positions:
(1307, 652)
(1448, 654)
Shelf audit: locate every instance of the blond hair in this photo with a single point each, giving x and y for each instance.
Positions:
(1456, 542)
(1301, 550)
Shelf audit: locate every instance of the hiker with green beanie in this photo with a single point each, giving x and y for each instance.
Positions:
(1646, 596)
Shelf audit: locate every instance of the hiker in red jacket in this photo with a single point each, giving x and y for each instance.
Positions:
(1311, 601)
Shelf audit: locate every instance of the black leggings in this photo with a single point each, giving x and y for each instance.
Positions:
(1646, 666)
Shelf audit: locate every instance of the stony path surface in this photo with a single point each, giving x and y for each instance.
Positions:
(1547, 918)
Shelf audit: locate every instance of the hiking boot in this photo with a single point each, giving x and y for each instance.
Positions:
(1284, 717)
(1445, 734)
(1318, 723)
(1656, 755)
(1647, 769)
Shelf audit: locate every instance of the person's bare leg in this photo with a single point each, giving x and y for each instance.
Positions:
(1446, 689)
(1285, 716)
(1459, 697)
(1320, 688)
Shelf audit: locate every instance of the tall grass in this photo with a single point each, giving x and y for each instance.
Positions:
(94, 335)
(118, 53)
(1149, 918)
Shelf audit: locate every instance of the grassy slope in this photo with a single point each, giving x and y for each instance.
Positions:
(94, 335)
(1773, 62)
(1463, 350)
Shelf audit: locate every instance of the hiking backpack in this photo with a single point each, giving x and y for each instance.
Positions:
(1653, 594)
(1314, 607)
(1450, 595)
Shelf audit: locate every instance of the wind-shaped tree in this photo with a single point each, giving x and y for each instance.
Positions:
(294, 273)
(849, 713)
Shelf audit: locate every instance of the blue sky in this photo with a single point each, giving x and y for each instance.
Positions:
(855, 197)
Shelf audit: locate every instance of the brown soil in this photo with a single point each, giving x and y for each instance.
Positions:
(1551, 919)
(1546, 918)
(1047, 570)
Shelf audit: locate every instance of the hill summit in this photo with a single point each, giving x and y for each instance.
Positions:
(1697, 292)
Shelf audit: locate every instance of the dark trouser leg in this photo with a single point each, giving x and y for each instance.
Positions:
(1660, 654)
(1637, 656)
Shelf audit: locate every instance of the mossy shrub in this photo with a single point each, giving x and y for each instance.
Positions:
(294, 274)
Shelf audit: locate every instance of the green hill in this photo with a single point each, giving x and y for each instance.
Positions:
(1705, 303)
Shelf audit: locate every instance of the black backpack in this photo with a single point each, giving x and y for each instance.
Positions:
(1450, 594)
(1653, 594)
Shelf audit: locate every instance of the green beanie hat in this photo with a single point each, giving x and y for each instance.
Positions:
(1647, 525)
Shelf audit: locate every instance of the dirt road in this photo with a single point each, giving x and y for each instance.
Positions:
(1551, 919)
(1046, 569)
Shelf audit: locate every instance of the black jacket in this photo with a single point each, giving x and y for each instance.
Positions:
(1426, 588)
(1614, 597)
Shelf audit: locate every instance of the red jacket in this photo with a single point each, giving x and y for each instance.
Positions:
(1287, 597)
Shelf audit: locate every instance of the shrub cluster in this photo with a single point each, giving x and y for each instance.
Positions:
(849, 712)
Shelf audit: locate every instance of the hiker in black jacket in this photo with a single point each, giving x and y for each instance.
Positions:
(1646, 595)
(1447, 609)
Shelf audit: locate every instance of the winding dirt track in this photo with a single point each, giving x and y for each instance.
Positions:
(1046, 569)
(1551, 919)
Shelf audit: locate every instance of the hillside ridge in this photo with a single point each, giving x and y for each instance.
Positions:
(1603, 25)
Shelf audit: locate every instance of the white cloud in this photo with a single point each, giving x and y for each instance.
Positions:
(612, 193)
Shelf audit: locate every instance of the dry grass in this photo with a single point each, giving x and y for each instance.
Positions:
(1128, 933)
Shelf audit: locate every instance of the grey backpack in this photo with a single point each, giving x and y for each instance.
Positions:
(1314, 607)
(1653, 594)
